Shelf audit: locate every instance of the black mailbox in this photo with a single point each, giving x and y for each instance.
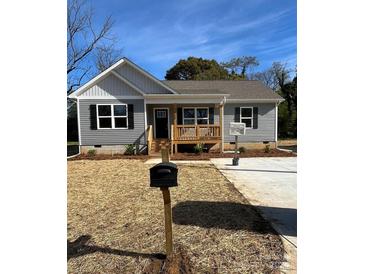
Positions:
(163, 175)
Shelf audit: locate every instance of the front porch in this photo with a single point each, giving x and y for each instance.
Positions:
(170, 125)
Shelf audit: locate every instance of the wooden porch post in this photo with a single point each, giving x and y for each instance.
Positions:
(175, 123)
(221, 126)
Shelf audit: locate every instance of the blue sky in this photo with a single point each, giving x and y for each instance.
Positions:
(156, 34)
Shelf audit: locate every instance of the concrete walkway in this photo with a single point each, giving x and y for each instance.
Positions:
(270, 184)
(154, 161)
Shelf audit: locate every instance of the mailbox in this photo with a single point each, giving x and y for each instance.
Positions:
(163, 175)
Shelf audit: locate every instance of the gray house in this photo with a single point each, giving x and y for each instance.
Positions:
(127, 105)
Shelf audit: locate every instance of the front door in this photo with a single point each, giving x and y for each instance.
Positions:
(161, 123)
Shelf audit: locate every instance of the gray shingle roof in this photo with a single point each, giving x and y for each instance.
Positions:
(238, 89)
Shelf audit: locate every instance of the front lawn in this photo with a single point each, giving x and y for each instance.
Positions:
(116, 225)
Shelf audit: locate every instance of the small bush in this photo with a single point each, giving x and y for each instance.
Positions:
(242, 149)
(198, 148)
(129, 149)
(91, 152)
(267, 149)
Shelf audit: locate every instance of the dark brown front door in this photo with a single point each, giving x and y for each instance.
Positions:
(161, 123)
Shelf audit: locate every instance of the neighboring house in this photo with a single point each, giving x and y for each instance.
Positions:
(126, 105)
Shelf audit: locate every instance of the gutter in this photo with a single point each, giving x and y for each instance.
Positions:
(255, 101)
(163, 96)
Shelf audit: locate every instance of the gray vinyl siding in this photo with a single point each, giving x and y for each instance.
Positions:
(110, 86)
(265, 127)
(112, 136)
(146, 84)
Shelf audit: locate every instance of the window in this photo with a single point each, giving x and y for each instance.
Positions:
(161, 114)
(247, 116)
(189, 116)
(202, 116)
(195, 116)
(112, 116)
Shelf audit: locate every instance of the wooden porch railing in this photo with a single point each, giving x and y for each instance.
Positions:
(149, 138)
(197, 132)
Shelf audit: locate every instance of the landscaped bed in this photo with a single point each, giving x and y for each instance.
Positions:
(247, 154)
(190, 156)
(116, 225)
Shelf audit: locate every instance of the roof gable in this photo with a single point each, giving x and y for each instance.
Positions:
(132, 75)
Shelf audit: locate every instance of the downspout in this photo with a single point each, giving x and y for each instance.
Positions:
(222, 103)
(276, 122)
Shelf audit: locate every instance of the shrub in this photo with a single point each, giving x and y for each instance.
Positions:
(267, 149)
(91, 152)
(198, 148)
(242, 149)
(129, 149)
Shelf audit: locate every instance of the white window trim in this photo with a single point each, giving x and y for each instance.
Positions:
(251, 127)
(112, 116)
(195, 115)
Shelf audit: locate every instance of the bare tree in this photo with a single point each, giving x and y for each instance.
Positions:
(82, 39)
(267, 77)
(282, 74)
(107, 55)
(241, 65)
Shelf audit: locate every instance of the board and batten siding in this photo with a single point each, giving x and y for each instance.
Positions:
(110, 86)
(143, 82)
(265, 125)
(112, 136)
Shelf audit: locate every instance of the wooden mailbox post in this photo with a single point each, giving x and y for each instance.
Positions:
(236, 129)
(164, 175)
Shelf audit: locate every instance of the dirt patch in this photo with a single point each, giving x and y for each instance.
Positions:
(248, 154)
(178, 263)
(116, 225)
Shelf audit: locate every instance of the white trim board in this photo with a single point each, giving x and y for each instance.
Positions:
(78, 121)
(106, 72)
(276, 122)
(95, 80)
(109, 97)
(205, 96)
(254, 100)
(182, 101)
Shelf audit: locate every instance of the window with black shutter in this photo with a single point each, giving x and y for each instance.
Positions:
(195, 116)
(112, 116)
(246, 116)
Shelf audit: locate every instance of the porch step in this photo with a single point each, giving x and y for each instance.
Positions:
(157, 144)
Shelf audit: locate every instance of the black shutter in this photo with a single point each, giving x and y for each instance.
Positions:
(179, 116)
(211, 116)
(93, 123)
(255, 117)
(130, 117)
(237, 115)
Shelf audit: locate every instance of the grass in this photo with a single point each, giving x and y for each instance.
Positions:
(116, 225)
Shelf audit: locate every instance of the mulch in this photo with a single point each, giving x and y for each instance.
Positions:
(248, 154)
(189, 156)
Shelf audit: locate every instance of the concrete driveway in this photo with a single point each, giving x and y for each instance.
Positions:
(271, 185)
